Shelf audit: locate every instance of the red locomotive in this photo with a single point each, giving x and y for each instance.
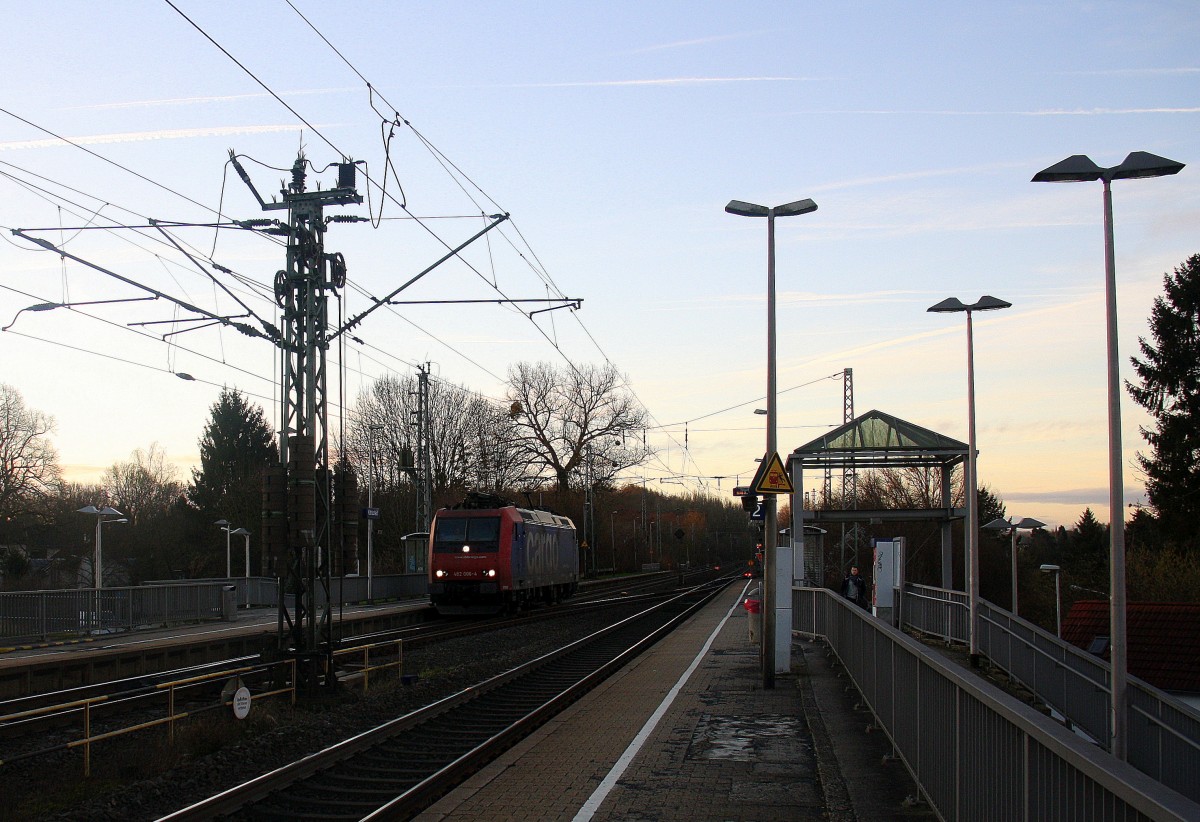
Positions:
(487, 555)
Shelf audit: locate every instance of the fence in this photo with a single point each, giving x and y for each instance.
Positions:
(32, 615)
(1163, 733)
(27, 616)
(977, 753)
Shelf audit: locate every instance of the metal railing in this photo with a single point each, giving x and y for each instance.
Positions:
(170, 694)
(41, 616)
(1163, 734)
(977, 753)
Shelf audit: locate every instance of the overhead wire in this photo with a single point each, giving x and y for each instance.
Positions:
(447, 164)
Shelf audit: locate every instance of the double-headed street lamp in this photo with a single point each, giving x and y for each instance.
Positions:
(1080, 169)
(770, 527)
(102, 515)
(1025, 523)
(971, 538)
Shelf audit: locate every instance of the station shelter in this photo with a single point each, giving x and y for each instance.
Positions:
(872, 440)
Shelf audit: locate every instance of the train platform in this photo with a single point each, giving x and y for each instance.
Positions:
(687, 732)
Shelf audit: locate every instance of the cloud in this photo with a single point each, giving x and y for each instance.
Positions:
(144, 136)
(662, 81)
(1074, 112)
(1136, 71)
(789, 297)
(189, 101)
(699, 41)
(1050, 112)
(1095, 497)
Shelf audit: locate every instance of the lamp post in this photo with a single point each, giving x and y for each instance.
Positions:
(228, 529)
(946, 306)
(770, 537)
(1054, 569)
(612, 532)
(97, 554)
(1079, 168)
(242, 532)
(1025, 523)
(371, 429)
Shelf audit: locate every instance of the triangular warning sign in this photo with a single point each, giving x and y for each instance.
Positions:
(772, 478)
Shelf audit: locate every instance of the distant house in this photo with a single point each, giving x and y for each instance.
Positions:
(1162, 641)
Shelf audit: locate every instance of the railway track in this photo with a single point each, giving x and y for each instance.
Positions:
(42, 724)
(398, 768)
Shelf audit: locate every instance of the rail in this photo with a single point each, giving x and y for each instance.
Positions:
(976, 752)
(1163, 733)
(359, 657)
(169, 691)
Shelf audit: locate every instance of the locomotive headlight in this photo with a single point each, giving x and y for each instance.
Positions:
(439, 573)
(491, 572)
(466, 549)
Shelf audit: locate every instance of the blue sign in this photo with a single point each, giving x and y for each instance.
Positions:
(758, 515)
(370, 513)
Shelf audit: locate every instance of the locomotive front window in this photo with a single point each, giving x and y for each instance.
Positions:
(481, 534)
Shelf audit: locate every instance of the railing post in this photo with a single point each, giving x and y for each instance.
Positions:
(87, 738)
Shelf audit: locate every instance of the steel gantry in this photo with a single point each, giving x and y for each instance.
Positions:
(302, 541)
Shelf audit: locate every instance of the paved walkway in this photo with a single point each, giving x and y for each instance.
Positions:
(686, 732)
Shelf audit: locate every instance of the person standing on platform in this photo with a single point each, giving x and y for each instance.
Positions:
(854, 587)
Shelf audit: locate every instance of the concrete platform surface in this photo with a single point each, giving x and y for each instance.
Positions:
(687, 732)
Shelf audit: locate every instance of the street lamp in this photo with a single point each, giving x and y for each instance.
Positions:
(947, 306)
(97, 554)
(228, 529)
(770, 537)
(1025, 523)
(612, 532)
(1054, 569)
(1079, 169)
(242, 532)
(371, 429)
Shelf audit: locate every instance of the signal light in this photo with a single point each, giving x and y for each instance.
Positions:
(749, 502)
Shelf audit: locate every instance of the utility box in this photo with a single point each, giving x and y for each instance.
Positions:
(229, 602)
(888, 579)
(783, 604)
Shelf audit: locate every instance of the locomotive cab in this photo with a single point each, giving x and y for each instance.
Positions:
(500, 557)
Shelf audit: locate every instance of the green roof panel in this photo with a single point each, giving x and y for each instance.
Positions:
(876, 438)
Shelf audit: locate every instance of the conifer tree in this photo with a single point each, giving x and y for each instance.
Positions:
(237, 443)
(1169, 373)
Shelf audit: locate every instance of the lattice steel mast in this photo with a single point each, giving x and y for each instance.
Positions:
(301, 488)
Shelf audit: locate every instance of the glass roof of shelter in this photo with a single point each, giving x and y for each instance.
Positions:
(878, 440)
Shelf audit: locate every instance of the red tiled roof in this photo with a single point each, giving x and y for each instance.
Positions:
(1163, 639)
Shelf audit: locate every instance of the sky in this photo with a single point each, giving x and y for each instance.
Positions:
(613, 134)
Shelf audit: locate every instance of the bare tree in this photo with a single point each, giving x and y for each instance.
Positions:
(907, 487)
(144, 486)
(469, 437)
(29, 470)
(572, 421)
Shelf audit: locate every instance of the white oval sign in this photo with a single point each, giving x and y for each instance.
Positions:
(241, 702)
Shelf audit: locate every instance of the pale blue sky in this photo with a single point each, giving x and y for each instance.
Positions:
(614, 134)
